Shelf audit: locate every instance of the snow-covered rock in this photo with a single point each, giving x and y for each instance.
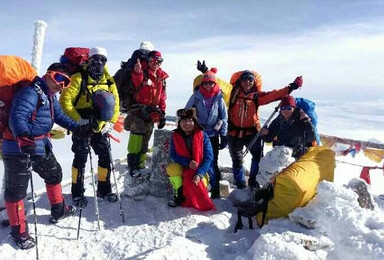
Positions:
(274, 162)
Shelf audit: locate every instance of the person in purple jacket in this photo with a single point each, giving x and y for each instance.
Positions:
(212, 116)
(27, 147)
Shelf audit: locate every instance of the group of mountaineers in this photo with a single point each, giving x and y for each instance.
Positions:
(218, 114)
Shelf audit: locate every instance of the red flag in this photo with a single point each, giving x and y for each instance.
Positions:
(365, 175)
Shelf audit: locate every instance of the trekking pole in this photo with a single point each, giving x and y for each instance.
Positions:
(114, 178)
(81, 209)
(35, 216)
(94, 188)
(248, 148)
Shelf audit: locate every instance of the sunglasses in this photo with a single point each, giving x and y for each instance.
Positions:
(156, 59)
(211, 83)
(286, 108)
(59, 78)
(248, 79)
(100, 58)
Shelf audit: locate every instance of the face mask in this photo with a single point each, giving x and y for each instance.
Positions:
(96, 69)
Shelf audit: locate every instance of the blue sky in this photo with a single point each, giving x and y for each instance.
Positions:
(338, 46)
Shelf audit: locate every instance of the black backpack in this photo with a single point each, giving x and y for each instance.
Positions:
(123, 81)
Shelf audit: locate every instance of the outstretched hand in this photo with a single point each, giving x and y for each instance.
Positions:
(201, 66)
(298, 83)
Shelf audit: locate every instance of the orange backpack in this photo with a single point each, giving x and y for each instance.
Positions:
(15, 73)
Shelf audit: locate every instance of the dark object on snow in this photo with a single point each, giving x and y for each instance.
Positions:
(364, 199)
(251, 209)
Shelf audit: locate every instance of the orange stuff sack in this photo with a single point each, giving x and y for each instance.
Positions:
(15, 73)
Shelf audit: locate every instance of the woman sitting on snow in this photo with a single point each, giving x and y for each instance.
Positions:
(291, 128)
(192, 154)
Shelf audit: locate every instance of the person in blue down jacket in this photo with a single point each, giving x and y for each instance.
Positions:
(27, 147)
(212, 116)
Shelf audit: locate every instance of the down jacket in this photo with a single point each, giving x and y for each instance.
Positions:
(208, 121)
(84, 106)
(33, 114)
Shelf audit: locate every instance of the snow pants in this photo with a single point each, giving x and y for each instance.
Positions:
(81, 148)
(17, 170)
(236, 146)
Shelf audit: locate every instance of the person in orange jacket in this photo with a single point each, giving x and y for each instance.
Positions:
(244, 123)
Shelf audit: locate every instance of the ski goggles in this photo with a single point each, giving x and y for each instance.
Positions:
(286, 107)
(100, 58)
(59, 78)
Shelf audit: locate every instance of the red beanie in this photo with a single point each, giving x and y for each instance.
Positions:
(210, 75)
(288, 101)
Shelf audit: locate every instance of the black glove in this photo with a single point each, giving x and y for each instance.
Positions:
(84, 131)
(296, 84)
(27, 144)
(162, 121)
(223, 142)
(201, 66)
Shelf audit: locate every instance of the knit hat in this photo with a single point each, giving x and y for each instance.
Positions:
(103, 105)
(59, 67)
(146, 45)
(98, 51)
(210, 75)
(288, 101)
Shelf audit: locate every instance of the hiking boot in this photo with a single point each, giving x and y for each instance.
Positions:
(111, 197)
(241, 185)
(178, 198)
(24, 240)
(80, 202)
(174, 203)
(66, 212)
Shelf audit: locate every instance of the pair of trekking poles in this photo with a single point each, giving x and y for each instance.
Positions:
(121, 213)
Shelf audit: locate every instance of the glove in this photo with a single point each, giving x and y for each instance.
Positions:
(27, 144)
(201, 66)
(106, 128)
(162, 122)
(155, 117)
(83, 131)
(296, 84)
(223, 142)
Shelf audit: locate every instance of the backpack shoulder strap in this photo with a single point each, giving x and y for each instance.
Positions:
(83, 86)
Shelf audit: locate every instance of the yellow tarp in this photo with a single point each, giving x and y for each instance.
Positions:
(296, 185)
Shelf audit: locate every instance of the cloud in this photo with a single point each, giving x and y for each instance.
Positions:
(336, 61)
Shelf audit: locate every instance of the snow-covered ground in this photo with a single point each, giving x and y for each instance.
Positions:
(152, 230)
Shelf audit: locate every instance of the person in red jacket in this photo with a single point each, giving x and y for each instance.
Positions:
(244, 125)
(149, 108)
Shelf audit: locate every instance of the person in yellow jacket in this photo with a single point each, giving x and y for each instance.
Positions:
(92, 95)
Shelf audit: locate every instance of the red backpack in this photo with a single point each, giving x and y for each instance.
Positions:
(15, 73)
(74, 58)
